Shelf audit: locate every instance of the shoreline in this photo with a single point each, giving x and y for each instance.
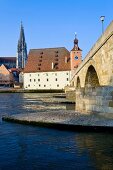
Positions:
(12, 90)
(64, 121)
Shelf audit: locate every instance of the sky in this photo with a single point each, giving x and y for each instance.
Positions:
(52, 23)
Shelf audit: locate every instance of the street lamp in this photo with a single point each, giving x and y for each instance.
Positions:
(102, 19)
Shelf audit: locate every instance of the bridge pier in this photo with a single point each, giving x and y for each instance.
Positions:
(95, 100)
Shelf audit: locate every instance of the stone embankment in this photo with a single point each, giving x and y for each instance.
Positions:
(20, 90)
(69, 120)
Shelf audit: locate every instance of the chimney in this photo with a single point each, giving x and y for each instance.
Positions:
(52, 65)
(65, 59)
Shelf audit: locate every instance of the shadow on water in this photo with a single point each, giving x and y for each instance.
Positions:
(70, 106)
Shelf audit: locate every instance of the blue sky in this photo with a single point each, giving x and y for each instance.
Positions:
(52, 23)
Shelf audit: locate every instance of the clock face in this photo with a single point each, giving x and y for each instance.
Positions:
(76, 57)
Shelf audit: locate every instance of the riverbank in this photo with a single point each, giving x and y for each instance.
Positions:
(64, 120)
(14, 90)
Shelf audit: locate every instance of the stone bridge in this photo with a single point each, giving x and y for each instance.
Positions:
(93, 79)
(97, 67)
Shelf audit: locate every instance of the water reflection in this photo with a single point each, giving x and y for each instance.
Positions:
(99, 147)
(27, 147)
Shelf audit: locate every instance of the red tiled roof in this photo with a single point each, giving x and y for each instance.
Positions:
(40, 60)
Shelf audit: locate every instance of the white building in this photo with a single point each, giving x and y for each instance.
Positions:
(50, 68)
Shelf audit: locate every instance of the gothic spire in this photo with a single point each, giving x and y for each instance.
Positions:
(22, 36)
(21, 49)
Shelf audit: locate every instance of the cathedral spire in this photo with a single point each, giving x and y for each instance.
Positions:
(22, 36)
(21, 49)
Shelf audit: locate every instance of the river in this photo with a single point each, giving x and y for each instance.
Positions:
(24, 147)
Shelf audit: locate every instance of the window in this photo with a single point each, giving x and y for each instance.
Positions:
(30, 80)
(47, 79)
(30, 75)
(34, 80)
(67, 73)
(56, 55)
(57, 85)
(67, 79)
(39, 85)
(55, 74)
(38, 79)
(46, 74)
(28, 85)
(56, 79)
(44, 85)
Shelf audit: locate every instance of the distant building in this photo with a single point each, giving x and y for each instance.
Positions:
(9, 62)
(6, 77)
(51, 68)
(15, 72)
(21, 50)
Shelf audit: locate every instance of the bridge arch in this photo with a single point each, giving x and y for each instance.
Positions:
(78, 82)
(91, 79)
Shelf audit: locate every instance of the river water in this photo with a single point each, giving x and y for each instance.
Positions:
(24, 147)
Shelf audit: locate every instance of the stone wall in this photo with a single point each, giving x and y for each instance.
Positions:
(95, 100)
(71, 95)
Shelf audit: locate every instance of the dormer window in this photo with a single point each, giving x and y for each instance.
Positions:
(56, 59)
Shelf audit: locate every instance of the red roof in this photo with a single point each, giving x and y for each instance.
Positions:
(40, 60)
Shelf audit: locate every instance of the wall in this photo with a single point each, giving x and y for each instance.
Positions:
(95, 100)
(47, 80)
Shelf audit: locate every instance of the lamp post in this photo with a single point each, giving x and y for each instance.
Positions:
(102, 19)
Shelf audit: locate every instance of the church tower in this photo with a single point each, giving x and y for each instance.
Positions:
(21, 50)
(75, 55)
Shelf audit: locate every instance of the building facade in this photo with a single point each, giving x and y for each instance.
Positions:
(21, 50)
(51, 68)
